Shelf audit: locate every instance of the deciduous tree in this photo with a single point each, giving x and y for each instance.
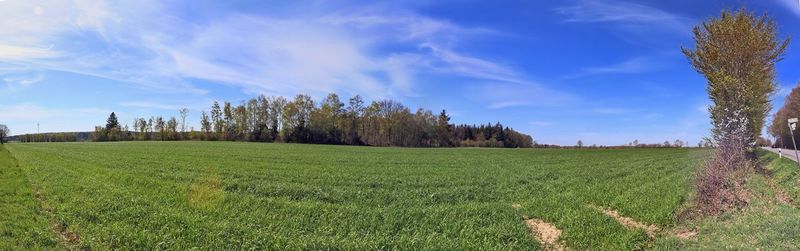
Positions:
(184, 113)
(737, 52)
(4, 133)
(205, 125)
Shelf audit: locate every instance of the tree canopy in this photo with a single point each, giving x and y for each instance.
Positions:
(737, 52)
(4, 133)
(330, 121)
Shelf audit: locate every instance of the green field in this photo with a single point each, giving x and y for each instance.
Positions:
(226, 195)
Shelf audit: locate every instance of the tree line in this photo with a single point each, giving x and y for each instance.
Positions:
(330, 121)
(53, 137)
(779, 128)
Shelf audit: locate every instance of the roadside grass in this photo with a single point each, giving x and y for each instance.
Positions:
(229, 195)
(767, 223)
(23, 225)
(785, 173)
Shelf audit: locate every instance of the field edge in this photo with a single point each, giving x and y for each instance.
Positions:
(23, 222)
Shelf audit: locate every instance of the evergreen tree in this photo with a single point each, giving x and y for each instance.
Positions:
(112, 122)
(443, 129)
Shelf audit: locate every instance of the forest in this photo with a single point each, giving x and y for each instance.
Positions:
(330, 121)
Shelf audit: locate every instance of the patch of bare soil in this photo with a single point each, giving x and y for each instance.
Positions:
(627, 221)
(780, 195)
(545, 233)
(70, 239)
(686, 234)
(783, 198)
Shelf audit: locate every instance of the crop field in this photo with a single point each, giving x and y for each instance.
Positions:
(228, 195)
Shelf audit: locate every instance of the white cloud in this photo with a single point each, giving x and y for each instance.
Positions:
(508, 94)
(173, 106)
(629, 15)
(11, 52)
(23, 80)
(629, 66)
(278, 56)
(471, 66)
(633, 65)
(145, 43)
(30, 26)
(150, 105)
(784, 90)
(606, 11)
(84, 37)
(791, 5)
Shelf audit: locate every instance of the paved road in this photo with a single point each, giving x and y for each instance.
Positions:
(787, 153)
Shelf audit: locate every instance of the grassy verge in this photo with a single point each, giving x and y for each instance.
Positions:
(785, 174)
(769, 222)
(23, 225)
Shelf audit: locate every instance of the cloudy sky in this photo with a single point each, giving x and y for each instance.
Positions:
(601, 71)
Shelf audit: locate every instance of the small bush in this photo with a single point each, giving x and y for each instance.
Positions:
(720, 184)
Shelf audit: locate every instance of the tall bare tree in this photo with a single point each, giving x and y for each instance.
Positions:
(205, 124)
(184, 113)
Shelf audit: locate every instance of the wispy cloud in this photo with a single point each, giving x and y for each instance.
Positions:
(500, 95)
(23, 81)
(784, 90)
(628, 15)
(11, 52)
(150, 105)
(454, 62)
(335, 50)
(173, 106)
(791, 5)
(633, 65)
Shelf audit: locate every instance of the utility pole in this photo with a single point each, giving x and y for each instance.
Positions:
(792, 126)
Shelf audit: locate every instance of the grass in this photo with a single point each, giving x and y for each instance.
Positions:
(767, 223)
(785, 173)
(23, 224)
(225, 195)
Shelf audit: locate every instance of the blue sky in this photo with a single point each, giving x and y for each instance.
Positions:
(605, 72)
